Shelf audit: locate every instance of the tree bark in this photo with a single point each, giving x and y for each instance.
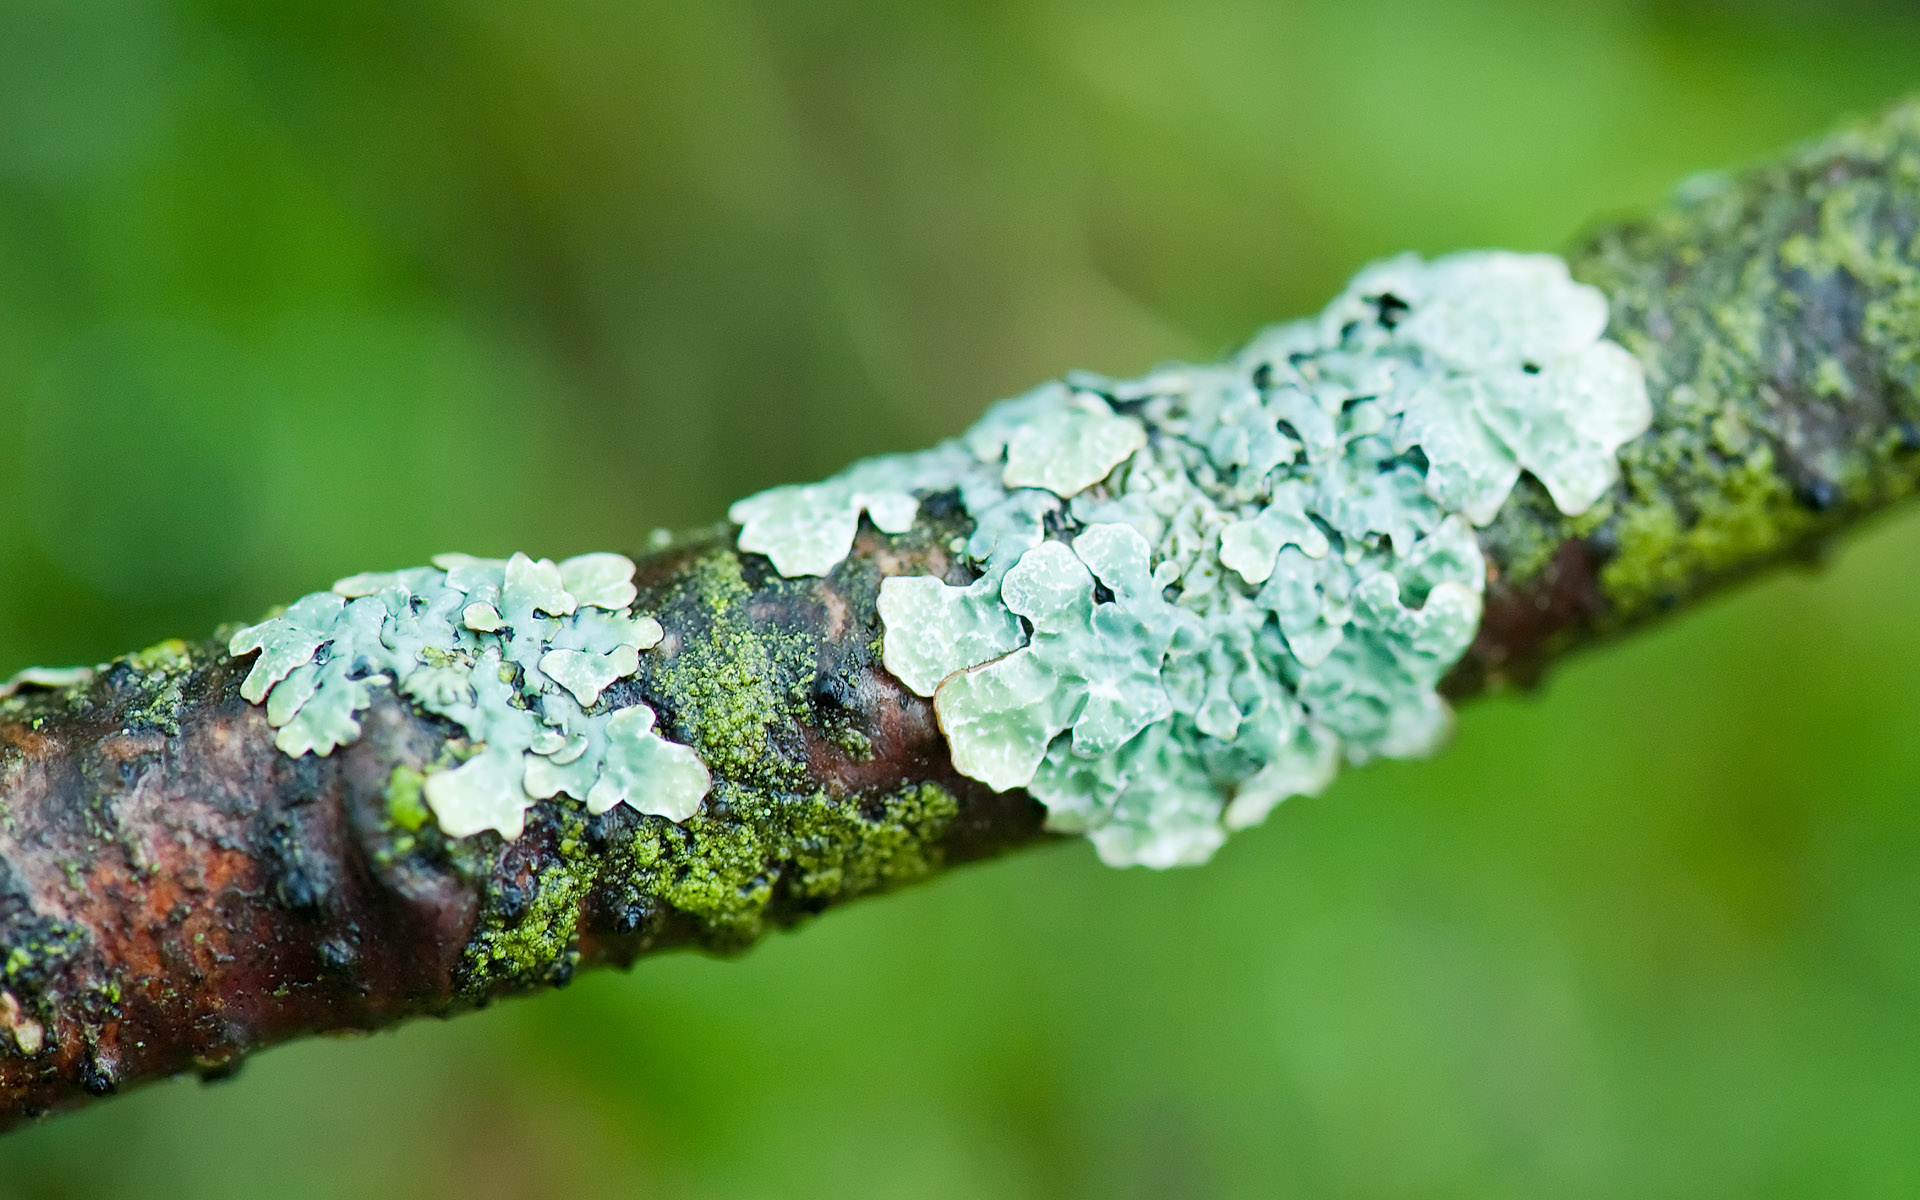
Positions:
(175, 892)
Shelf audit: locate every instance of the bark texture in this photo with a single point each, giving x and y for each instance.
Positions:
(175, 892)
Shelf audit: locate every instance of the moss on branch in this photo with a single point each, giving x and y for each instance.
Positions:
(175, 892)
(1777, 313)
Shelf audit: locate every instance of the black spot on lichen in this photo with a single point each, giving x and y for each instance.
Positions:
(1392, 309)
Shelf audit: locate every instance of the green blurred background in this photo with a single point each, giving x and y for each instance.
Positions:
(290, 290)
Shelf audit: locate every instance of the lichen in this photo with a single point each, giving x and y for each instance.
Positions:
(51, 679)
(805, 529)
(647, 772)
(1069, 449)
(933, 629)
(518, 653)
(1091, 669)
(1226, 578)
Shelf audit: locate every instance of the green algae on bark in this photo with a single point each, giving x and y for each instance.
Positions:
(1778, 314)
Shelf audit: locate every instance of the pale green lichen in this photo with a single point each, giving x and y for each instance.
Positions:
(1285, 542)
(933, 630)
(286, 642)
(47, 679)
(1068, 450)
(648, 772)
(1250, 548)
(1090, 668)
(517, 652)
(806, 529)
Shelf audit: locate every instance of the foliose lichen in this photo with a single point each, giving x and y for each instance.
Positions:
(47, 679)
(1199, 590)
(518, 652)
(807, 528)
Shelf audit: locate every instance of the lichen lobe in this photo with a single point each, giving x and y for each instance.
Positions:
(1193, 593)
(519, 654)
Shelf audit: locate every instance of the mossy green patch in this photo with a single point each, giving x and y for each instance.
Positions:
(749, 862)
(1665, 544)
(172, 655)
(406, 804)
(726, 873)
(534, 942)
(154, 695)
(838, 851)
(1778, 316)
(738, 684)
(856, 745)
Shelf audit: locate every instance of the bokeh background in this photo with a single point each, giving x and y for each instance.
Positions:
(296, 289)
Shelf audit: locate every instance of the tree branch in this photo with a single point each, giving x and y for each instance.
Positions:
(176, 892)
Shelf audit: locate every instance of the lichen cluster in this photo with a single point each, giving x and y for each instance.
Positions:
(1199, 590)
(517, 652)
